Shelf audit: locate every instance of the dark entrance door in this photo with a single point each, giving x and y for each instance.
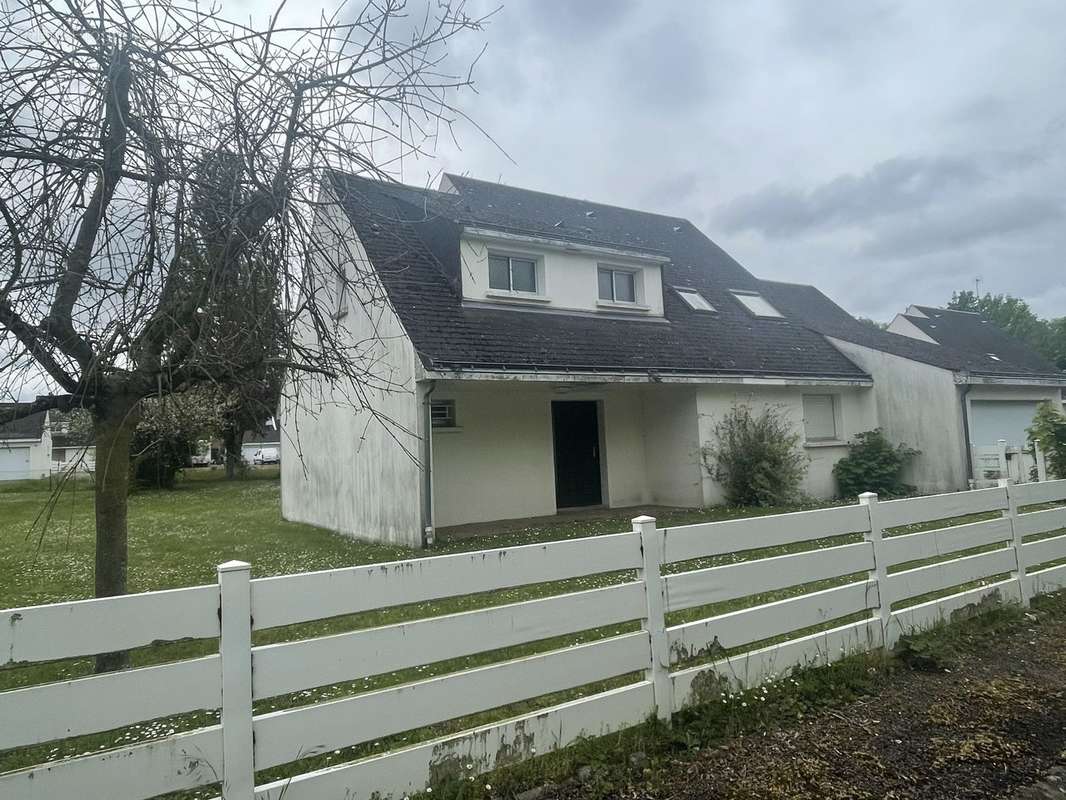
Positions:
(576, 430)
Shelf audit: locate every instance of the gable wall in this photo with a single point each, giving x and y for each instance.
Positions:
(344, 467)
(921, 406)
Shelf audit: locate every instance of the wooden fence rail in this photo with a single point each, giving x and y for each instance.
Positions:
(672, 611)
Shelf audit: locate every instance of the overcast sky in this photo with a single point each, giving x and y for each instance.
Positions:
(887, 152)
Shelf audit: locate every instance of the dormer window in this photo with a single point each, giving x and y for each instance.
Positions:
(511, 274)
(617, 285)
(757, 304)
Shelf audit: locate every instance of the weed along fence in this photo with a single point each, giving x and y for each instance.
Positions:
(549, 642)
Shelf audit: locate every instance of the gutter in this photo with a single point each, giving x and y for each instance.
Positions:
(966, 431)
(566, 374)
(427, 465)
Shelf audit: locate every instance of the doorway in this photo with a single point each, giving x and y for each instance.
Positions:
(576, 437)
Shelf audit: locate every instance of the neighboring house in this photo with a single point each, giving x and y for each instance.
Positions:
(550, 353)
(949, 383)
(25, 443)
(269, 436)
(73, 451)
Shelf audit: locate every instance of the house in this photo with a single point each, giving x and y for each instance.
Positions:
(548, 353)
(948, 382)
(25, 443)
(73, 451)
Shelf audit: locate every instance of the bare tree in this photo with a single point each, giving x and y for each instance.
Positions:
(135, 134)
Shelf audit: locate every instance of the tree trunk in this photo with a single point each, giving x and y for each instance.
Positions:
(231, 439)
(114, 427)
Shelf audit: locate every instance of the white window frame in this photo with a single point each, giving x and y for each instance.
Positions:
(687, 294)
(340, 289)
(741, 293)
(450, 422)
(614, 271)
(834, 407)
(538, 275)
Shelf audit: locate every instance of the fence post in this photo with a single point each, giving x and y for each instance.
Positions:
(235, 650)
(1004, 469)
(1011, 513)
(880, 571)
(651, 546)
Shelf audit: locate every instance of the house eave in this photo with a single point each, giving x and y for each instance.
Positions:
(613, 375)
(567, 245)
(969, 378)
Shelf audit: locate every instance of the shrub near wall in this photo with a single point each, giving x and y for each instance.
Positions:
(756, 457)
(1049, 431)
(873, 464)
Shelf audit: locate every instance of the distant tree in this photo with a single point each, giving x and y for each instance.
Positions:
(873, 323)
(1013, 315)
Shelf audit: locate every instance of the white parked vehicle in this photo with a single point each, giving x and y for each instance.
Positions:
(266, 455)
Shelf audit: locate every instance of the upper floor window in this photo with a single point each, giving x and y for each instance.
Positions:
(617, 285)
(756, 304)
(509, 274)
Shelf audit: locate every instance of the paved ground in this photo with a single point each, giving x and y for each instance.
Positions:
(993, 728)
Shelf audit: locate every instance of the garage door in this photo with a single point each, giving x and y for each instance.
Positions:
(1002, 419)
(14, 463)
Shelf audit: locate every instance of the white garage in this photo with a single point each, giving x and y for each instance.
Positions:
(14, 463)
(1001, 419)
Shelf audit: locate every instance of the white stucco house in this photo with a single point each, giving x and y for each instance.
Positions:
(25, 444)
(552, 353)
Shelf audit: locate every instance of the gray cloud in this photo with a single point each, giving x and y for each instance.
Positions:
(888, 152)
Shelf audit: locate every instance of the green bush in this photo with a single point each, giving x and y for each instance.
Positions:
(1049, 431)
(156, 458)
(756, 458)
(873, 465)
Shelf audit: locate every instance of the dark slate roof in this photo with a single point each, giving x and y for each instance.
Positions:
(412, 237)
(70, 439)
(971, 333)
(955, 353)
(21, 427)
(266, 435)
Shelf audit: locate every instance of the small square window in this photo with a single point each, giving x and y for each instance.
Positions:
(820, 418)
(617, 285)
(694, 300)
(508, 274)
(442, 413)
(757, 304)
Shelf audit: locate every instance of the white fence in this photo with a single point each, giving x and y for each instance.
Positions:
(744, 601)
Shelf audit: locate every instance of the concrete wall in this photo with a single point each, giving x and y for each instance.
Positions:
(349, 455)
(498, 463)
(566, 280)
(856, 412)
(672, 446)
(921, 406)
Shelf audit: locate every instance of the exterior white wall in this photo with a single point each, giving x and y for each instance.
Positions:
(921, 406)
(499, 462)
(569, 279)
(672, 446)
(349, 456)
(855, 409)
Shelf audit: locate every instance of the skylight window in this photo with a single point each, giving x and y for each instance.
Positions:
(694, 300)
(757, 304)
